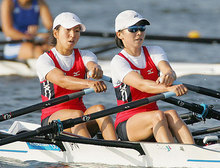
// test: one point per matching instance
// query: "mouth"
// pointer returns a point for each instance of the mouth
(71, 42)
(139, 39)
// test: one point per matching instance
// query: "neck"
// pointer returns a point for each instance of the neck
(25, 4)
(133, 51)
(63, 51)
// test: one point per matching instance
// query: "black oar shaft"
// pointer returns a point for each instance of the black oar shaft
(41, 105)
(202, 90)
(191, 106)
(206, 131)
(71, 122)
(25, 135)
(194, 107)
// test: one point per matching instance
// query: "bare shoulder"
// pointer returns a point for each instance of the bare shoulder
(7, 4)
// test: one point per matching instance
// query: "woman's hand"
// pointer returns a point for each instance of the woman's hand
(167, 79)
(98, 86)
(95, 72)
(32, 30)
(178, 89)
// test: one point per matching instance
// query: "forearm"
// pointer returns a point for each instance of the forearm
(15, 34)
(150, 86)
(72, 83)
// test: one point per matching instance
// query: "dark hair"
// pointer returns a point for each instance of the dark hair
(119, 42)
(52, 40)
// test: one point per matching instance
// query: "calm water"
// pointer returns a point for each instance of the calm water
(167, 17)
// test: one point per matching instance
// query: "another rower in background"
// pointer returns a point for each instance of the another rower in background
(20, 21)
(135, 76)
(63, 70)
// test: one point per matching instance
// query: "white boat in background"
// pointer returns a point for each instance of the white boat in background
(144, 154)
(28, 69)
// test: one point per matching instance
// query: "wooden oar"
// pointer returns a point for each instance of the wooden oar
(158, 37)
(53, 128)
(45, 104)
(201, 90)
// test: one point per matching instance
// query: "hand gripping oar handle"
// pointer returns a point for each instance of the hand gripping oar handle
(105, 78)
(201, 90)
(45, 104)
(52, 128)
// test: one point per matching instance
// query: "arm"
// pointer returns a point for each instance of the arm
(58, 77)
(7, 22)
(135, 80)
(45, 15)
(168, 75)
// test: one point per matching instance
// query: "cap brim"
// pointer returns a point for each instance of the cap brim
(146, 22)
(69, 26)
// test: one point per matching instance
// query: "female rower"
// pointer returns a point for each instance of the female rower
(135, 75)
(62, 71)
(20, 21)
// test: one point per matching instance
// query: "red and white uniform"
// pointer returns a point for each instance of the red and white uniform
(147, 69)
(75, 68)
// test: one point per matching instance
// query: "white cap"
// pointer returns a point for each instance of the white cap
(68, 20)
(128, 18)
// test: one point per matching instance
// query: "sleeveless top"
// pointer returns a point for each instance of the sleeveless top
(50, 90)
(22, 17)
(125, 93)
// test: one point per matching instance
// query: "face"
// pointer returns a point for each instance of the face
(67, 39)
(24, 2)
(132, 36)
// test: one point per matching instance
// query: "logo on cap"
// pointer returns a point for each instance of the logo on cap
(135, 16)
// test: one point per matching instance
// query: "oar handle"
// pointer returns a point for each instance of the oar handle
(88, 91)
(107, 79)
(104, 77)
(201, 90)
(168, 94)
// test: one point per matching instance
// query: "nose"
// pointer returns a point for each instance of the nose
(139, 32)
(71, 33)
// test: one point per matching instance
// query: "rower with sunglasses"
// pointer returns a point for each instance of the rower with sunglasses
(135, 75)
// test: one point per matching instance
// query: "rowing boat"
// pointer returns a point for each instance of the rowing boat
(27, 69)
(27, 141)
(83, 150)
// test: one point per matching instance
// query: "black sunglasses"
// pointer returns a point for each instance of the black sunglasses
(134, 29)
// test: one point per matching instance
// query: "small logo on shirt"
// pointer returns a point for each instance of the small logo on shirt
(150, 71)
(76, 73)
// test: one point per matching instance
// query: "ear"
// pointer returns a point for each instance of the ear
(55, 33)
(119, 35)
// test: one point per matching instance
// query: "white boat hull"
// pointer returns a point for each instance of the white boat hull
(155, 154)
(181, 69)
